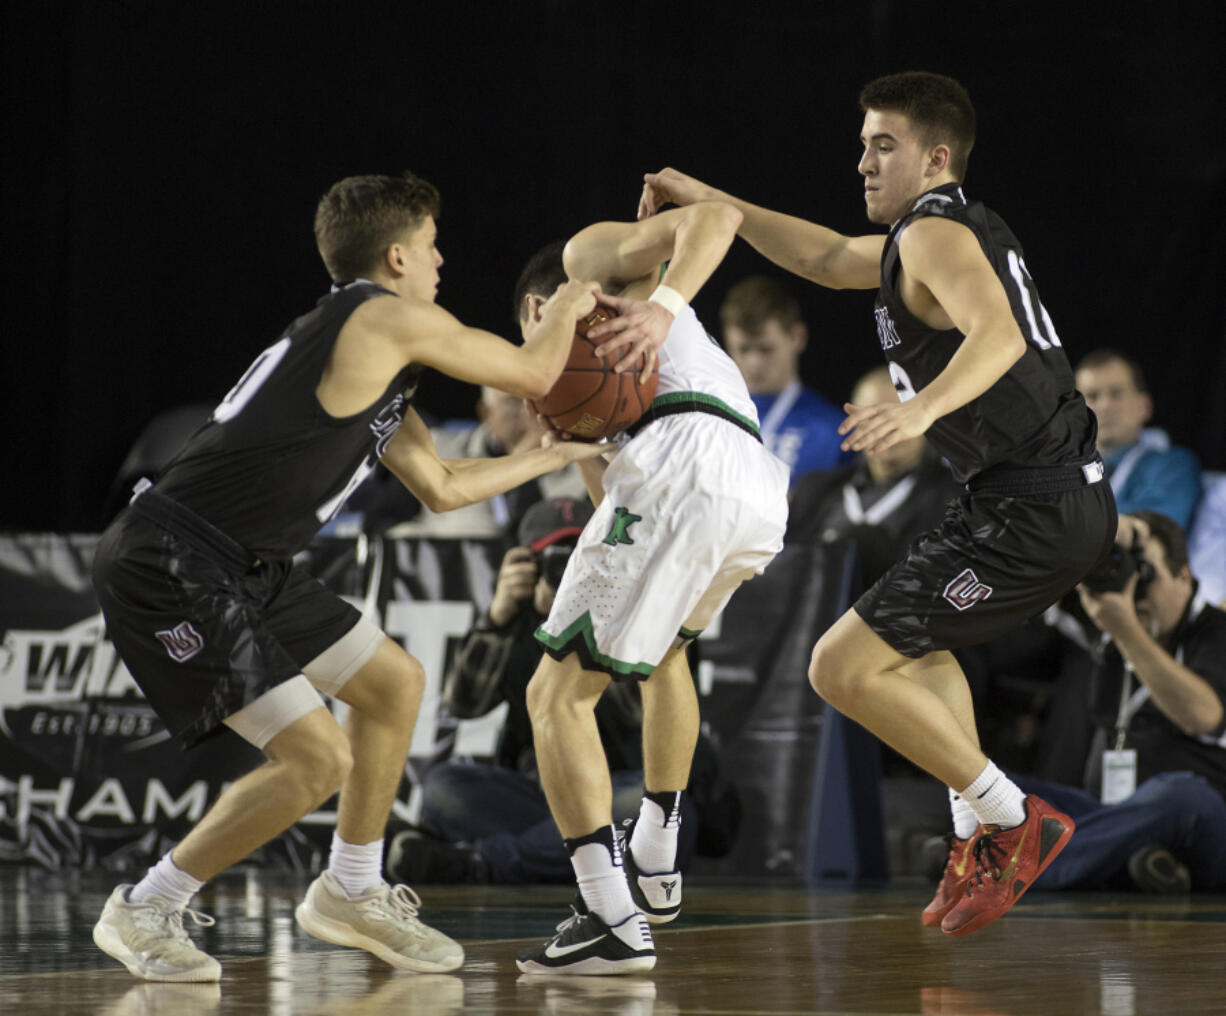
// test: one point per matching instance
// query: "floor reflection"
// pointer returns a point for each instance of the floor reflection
(738, 948)
(625, 996)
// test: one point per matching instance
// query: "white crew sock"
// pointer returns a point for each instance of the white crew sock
(965, 819)
(356, 866)
(996, 799)
(654, 840)
(602, 880)
(166, 879)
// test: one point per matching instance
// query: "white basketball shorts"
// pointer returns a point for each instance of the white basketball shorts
(693, 507)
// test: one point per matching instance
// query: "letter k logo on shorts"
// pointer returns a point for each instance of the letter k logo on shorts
(623, 518)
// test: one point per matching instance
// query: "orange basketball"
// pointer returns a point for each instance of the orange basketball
(589, 401)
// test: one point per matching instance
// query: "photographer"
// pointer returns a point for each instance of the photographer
(1157, 814)
(491, 822)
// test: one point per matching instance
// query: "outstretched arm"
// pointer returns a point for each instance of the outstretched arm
(442, 485)
(693, 240)
(417, 331)
(804, 248)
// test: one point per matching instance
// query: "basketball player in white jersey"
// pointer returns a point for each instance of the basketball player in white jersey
(690, 505)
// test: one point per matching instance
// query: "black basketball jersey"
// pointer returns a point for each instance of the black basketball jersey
(271, 466)
(1031, 417)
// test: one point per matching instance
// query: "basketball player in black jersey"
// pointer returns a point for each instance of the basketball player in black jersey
(980, 370)
(219, 627)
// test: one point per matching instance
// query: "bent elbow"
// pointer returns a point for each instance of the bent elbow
(1203, 723)
(719, 217)
(442, 499)
(431, 502)
(729, 216)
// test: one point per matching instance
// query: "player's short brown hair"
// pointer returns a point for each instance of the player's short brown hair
(754, 301)
(541, 276)
(361, 216)
(936, 106)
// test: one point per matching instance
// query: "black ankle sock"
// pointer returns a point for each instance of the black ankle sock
(669, 802)
(603, 836)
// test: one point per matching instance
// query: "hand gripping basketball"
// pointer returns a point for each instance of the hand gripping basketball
(589, 400)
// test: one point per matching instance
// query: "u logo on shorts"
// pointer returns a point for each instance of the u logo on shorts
(966, 590)
(182, 641)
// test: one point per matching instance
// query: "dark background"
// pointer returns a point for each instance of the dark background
(161, 164)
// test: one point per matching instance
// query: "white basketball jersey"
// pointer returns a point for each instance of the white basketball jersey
(692, 361)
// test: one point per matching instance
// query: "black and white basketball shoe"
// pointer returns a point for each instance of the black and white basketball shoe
(584, 944)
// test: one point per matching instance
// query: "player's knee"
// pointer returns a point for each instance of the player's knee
(407, 688)
(337, 765)
(393, 693)
(827, 675)
(540, 698)
(321, 765)
(552, 699)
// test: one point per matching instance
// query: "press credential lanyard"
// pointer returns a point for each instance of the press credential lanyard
(1120, 763)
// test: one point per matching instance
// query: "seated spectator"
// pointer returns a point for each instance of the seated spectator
(764, 335)
(491, 822)
(504, 425)
(1153, 811)
(883, 500)
(1147, 472)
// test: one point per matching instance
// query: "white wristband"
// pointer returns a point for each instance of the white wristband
(668, 298)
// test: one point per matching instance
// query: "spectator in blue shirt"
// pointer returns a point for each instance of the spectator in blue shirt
(764, 334)
(1147, 472)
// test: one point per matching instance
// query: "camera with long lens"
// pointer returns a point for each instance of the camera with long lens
(1112, 573)
(551, 562)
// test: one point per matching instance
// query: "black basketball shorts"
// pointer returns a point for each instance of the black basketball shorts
(992, 564)
(203, 628)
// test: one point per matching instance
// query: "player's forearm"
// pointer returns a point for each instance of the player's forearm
(444, 485)
(592, 471)
(983, 358)
(546, 352)
(701, 240)
(1187, 699)
(802, 247)
(547, 349)
(483, 478)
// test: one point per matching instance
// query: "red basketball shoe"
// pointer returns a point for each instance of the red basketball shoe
(1007, 861)
(958, 871)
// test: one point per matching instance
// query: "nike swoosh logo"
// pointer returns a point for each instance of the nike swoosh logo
(554, 951)
(1008, 872)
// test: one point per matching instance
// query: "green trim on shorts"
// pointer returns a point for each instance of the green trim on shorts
(687, 634)
(673, 398)
(580, 638)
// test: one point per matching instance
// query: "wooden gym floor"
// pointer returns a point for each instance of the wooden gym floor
(739, 948)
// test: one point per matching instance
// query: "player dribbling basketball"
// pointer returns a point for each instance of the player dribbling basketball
(690, 505)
